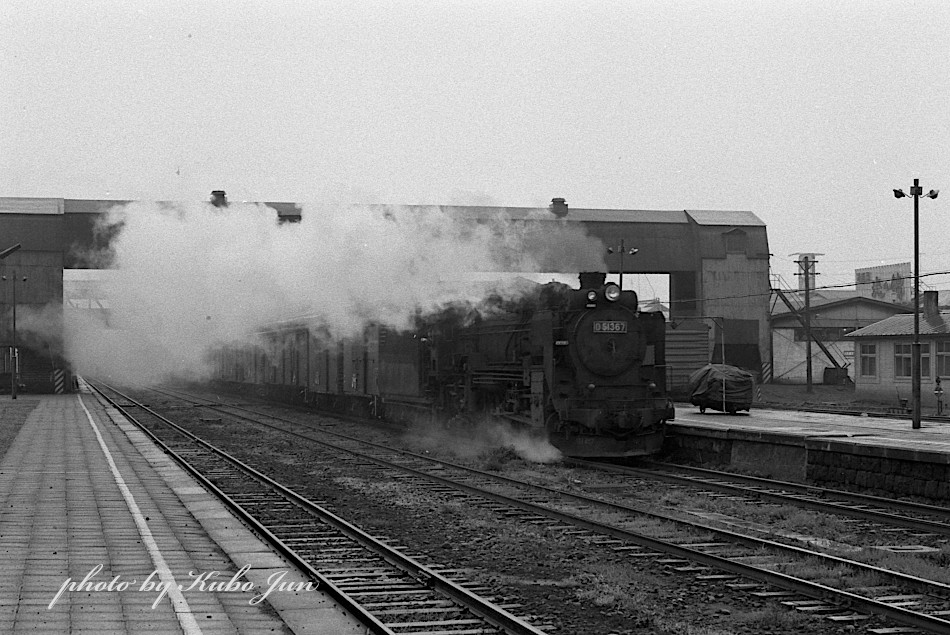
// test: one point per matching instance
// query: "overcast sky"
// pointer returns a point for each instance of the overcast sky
(806, 113)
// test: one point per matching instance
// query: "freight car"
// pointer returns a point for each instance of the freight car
(582, 366)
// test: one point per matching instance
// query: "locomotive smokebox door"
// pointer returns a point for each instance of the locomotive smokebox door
(608, 341)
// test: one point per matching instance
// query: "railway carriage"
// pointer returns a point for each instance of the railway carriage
(583, 367)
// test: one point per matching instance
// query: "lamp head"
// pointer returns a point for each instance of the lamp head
(899, 194)
(932, 193)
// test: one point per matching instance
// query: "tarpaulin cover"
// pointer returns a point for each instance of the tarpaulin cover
(705, 386)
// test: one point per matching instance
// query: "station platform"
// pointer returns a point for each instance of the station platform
(884, 455)
(101, 533)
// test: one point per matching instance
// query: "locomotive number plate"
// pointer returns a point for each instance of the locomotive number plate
(610, 326)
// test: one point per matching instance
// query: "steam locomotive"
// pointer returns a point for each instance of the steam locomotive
(584, 367)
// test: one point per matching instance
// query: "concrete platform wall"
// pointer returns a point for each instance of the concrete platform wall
(882, 471)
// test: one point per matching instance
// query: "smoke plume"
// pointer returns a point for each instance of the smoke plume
(187, 277)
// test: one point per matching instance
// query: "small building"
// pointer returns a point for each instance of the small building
(834, 314)
(655, 306)
(884, 354)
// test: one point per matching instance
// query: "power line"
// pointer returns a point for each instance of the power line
(825, 287)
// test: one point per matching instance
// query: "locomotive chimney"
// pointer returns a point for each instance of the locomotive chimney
(558, 207)
(592, 279)
(219, 198)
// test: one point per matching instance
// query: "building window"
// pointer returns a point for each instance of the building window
(903, 360)
(869, 360)
(735, 241)
(943, 359)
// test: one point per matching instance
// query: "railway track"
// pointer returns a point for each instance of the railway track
(388, 591)
(754, 564)
(919, 520)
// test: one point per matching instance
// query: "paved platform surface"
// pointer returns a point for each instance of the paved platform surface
(101, 533)
(873, 435)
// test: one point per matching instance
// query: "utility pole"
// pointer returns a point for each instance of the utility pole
(807, 263)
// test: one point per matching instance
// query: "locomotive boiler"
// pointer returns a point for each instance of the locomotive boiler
(582, 367)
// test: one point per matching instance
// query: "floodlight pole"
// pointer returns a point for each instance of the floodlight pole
(622, 249)
(915, 363)
(916, 191)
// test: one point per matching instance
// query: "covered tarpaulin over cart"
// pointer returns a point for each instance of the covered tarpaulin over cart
(721, 387)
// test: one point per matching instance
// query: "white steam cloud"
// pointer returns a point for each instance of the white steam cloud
(480, 437)
(187, 277)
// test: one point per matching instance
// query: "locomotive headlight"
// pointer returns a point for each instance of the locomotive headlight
(591, 296)
(612, 292)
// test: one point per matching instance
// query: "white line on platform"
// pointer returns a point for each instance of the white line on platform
(179, 603)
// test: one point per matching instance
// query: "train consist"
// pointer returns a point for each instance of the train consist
(582, 366)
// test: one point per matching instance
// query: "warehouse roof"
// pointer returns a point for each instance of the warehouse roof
(729, 218)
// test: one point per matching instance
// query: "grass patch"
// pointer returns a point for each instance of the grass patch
(613, 584)
(602, 591)
(775, 617)
(391, 493)
(830, 574)
(930, 566)
(503, 533)
(790, 518)
(618, 587)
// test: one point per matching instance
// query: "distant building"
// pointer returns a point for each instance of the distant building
(834, 314)
(888, 283)
(883, 353)
(654, 306)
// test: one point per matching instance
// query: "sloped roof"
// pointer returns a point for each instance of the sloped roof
(654, 306)
(818, 297)
(903, 325)
(725, 217)
(781, 311)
